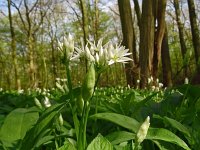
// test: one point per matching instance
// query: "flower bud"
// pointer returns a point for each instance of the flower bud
(47, 102)
(60, 119)
(186, 80)
(66, 47)
(142, 132)
(88, 83)
(37, 103)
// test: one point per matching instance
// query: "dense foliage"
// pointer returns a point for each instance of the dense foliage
(114, 119)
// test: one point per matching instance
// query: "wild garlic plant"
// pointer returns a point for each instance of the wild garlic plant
(98, 58)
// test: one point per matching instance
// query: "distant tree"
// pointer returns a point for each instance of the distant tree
(159, 12)
(31, 15)
(181, 36)
(85, 23)
(128, 40)
(195, 36)
(137, 10)
(166, 62)
(146, 41)
(13, 47)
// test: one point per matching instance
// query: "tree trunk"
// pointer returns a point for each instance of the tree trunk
(128, 39)
(83, 7)
(146, 41)
(53, 62)
(96, 21)
(138, 12)
(166, 63)
(181, 37)
(159, 33)
(195, 35)
(13, 46)
(32, 68)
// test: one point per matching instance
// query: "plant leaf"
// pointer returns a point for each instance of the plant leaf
(100, 143)
(165, 135)
(44, 122)
(121, 120)
(67, 146)
(120, 136)
(17, 123)
(178, 126)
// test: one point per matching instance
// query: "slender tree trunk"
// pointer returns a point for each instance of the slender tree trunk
(85, 29)
(31, 62)
(96, 22)
(83, 7)
(195, 34)
(13, 46)
(146, 41)
(159, 33)
(181, 36)
(128, 39)
(138, 12)
(53, 62)
(166, 62)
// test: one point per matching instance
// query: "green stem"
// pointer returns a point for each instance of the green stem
(82, 137)
(74, 114)
(69, 79)
(136, 146)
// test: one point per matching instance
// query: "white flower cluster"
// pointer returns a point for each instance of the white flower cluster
(101, 55)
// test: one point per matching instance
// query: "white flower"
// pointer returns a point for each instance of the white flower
(66, 47)
(21, 91)
(142, 132)
(88, 54)
(186, 80)
(138, 81)
(47, 102)
(118, 54)
(160, 85)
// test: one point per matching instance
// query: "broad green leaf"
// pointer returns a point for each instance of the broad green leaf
(178, 126)
(121, 120)
(133, 125)
(44, 140)
(120, 136)
(67, 146)
(165, 135)
(100, 143)
(45, 121)
(17, 123)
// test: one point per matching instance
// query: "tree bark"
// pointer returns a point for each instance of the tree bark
(83, 7)
(13, 46)
(195, 34)
(159, 33)
(138, 12)
(146, 41)
(128, 39)
(166, 62)
(181, 36)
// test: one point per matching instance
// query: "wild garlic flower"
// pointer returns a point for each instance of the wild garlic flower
(101, 55)
(66, 47)
(118, 54)
(47, 102)
(186, 80)
(160, 85)
(142, 132)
